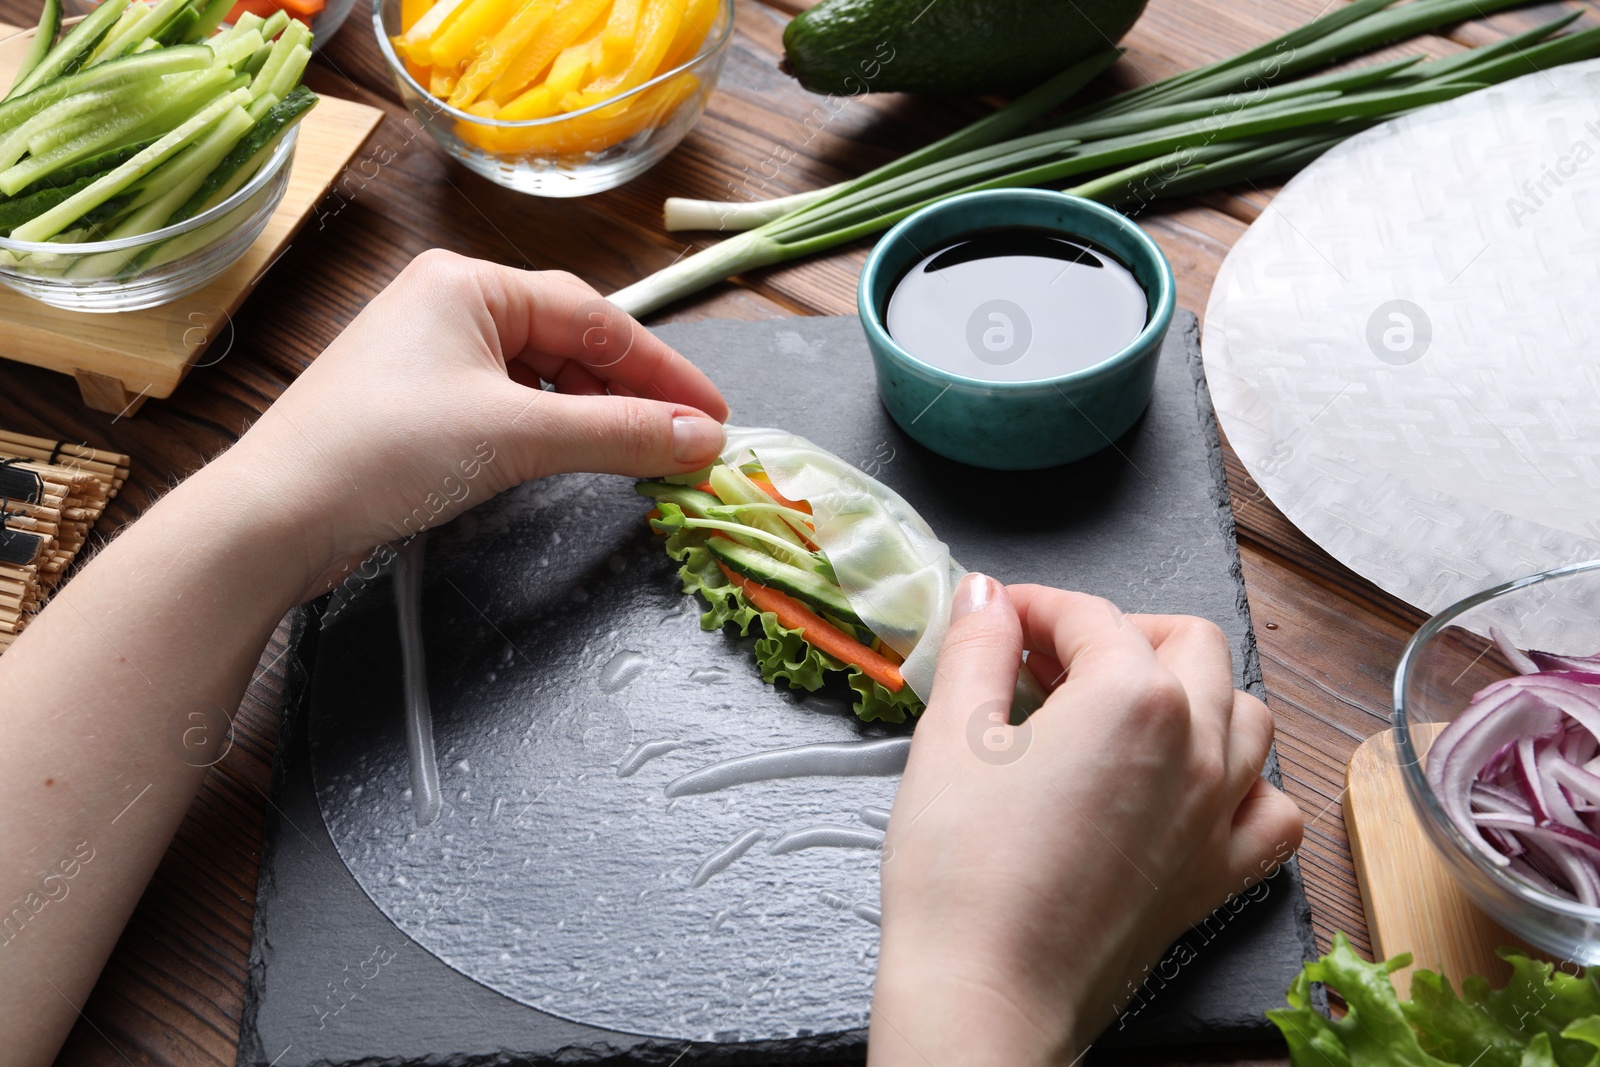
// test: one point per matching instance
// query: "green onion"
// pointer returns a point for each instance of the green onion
(1230, 121)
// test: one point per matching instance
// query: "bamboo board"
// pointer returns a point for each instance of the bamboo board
(121, 360)
(1412, 902)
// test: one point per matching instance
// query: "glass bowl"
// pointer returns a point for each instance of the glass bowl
(324, 24)
(574, 154)
(1450, 658)
(152, 268)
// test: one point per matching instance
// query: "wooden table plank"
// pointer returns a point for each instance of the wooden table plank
(1328, 640)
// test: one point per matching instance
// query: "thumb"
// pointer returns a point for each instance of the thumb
(557, 433)
(978, 662)
(1267, 829)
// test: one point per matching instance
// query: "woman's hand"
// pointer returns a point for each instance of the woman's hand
(1031, 873)
(430, 403)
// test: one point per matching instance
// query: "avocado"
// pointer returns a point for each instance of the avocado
(947, 47)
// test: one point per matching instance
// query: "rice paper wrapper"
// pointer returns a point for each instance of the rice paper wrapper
(896, 573)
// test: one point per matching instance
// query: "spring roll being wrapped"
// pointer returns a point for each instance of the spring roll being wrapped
(833, 568)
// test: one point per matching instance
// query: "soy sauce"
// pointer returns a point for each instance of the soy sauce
(1016, 304)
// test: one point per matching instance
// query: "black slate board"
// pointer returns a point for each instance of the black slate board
(333, 981)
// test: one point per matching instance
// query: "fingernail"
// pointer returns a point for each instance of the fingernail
(696, 439)
(973, 594)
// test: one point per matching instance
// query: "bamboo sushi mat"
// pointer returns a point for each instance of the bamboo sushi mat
(51, 495)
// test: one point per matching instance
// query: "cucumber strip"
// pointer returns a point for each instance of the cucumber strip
(193, 241)
(150, 119)
(131, 14)
(288, 75)
(257, 60)
(160, 181)
(174, 181)
(276, 23)
(44, 39)
(47, 225)
(178, 30)
(802, 585)
(17, 142)
(212, 14)
(16, 110)
(734, 486)
(72, 49)
(281, 49)
(261, 105)
(92, 167)
(56, 136)
(247, 22)
(692, 501)
(148, 26)
(16, 211)
(235, 51)
(247, 156)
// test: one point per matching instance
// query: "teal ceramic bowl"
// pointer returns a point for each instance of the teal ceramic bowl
(1015, 425)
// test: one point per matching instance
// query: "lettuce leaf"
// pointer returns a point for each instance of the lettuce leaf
(782, 654)
(1542, 1018)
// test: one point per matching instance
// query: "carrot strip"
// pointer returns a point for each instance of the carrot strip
(824, 636)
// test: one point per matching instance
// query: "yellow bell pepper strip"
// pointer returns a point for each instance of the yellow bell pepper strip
(590, 133)
(617, 44)
(658, 25)
(566, 74)
(441, 81)
(459, 43)
(506, 45)
(566, 26)
(422, 75)
(694, 33)
(411, 11)
(413, 43)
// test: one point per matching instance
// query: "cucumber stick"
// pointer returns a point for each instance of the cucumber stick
(247, 156)
(168, 187)
(46, 225)
(141, 69)
(276, 23)
(55, 117)
(16, 211)
(44, 38)
(132, 14)
(149, 119)
(148, 25)
(212, 13)
(72, 49)
(295, 34)
(92, 167)
(734, 486)
(289, 74)
(802, 585)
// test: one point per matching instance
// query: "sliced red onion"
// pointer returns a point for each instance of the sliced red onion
(1529, 782)
(1550, 661)
(1532, 875)
(1518, 772)
(1520, 661)
(1578, 779)
(1466, 744)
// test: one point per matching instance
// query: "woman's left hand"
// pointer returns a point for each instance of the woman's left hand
(430, 402)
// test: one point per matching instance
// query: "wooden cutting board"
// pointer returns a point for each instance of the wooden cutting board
(1412, 903)
(121, 360)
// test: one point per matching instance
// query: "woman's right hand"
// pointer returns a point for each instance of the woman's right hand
(1031, 874)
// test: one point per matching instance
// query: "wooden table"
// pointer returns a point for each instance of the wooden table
(1329, 640)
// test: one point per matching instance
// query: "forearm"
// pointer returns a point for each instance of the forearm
(116, 699)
